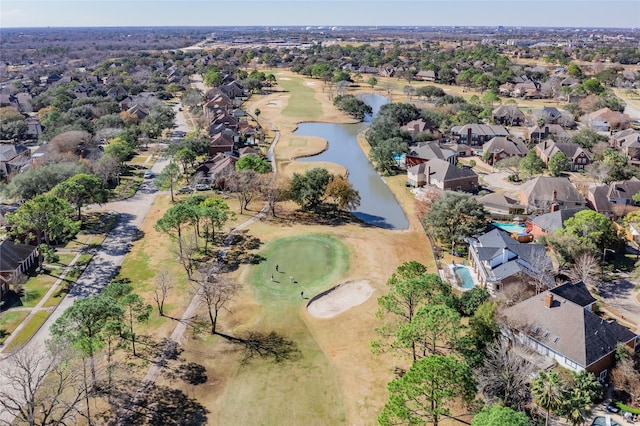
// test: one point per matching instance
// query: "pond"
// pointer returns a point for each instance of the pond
(378, 206)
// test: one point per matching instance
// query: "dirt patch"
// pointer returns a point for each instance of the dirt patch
(340, 299)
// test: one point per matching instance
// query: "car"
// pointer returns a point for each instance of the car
(202, 187)
(185, 189)
(148, 174)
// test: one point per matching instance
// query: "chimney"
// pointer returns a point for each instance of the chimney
(554, 207)
(505, 256)
(545, 145)
(469, 136)
(546, 132)
(548, 300)
(554, 195)
(428, 175)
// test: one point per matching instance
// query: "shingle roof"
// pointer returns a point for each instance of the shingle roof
(542, 188)
(549, 222)
(574, 292)
(12, 255)
(568, 328)
(445, 171)
(510, 146)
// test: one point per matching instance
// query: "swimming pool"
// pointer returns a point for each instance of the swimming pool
(509, 227)
(464, 277)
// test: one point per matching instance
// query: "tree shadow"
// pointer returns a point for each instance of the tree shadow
(322, 216)
(240, 251)
(157, 405)
(191, 372)
(265, 345)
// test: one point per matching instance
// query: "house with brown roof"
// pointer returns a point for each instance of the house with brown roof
(508, 115)
(628, 143)
(477, 134)
(214, 170)
(498, 260)
(428, 75)
(500, 205)
(614, 199)
(547, 193)
(415, 127)
(606, 120)
(220, 142)
(550, 115)
(560, 324)
(548, 223)
(221, 120)
(502, 147)
(443, 175)
(138, 111)
(578, 157)
(548, 131)
(427, 151)
(15, 261)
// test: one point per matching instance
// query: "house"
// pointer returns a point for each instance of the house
(218, 101)
(628, 143)
(578, 157)
(428, 75)
(34, 127)
(555, 131)
(423, 152)
(138, 111)
(614, 199)
(116, 92)
(477, 134)
(560, 324)
(214, 170)
(499, 261)
(547, 223)
(546, 193)
(550, 115)
(220, 142)
(500, 205)
(13, 158)
(443, 175)
(220, 120)
(415, 127)
(502, 147)
(15, 261)
(606, 120)
(508, 115)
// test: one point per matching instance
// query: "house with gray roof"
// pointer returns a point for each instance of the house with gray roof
(427, 151)
(628, 142)
(15, 260)
(477, 134)
(443, 175)
(499, 261)
(547, 193)
(578, 157)
(560, 324)
(500, 204)
(502, 147)
(548, 131)
(548, 223)
(614, 199)
(508, 115)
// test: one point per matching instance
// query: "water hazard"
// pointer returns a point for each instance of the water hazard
(378, 206)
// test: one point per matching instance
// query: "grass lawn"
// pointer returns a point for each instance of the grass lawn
(304, 390)
(302, 103)
(35, 288)
(9, 320)
(28, 330)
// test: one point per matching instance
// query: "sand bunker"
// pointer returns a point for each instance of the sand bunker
(284, 78)
(310, 83)
(340, 298)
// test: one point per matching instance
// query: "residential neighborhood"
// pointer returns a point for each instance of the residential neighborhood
(330, 225)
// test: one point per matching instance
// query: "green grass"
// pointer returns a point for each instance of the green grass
(35, 288)
(302, 102)
(136, 268)
(65, 259)
(304, 390)
(28, 330)
(9, 321)
(298, 141)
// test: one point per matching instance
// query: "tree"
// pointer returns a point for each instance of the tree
(243, 184)
(372, 81)
(173, 222)
(213, 77)
(382, 154)
(275, 188)
(119, 149)
(135, 310)
(588, 138)
(511, 164)
(342, 193)
(497, 415)
(161, 289)
(186, 158)
(82, 323)
(504, 375)
(215, 292)
(308, 189)
(168, 178)
(471, 300)
(214, 213)
(585, 269)
(559, 163)
(80, 190)
(546, 392)
(594, 231)
(531, 164)
(433, 326)
(578, 397)
(409, 91)
(422, 394)
(455, 216)
(592, 86)
(41, 179)
(41, 388)
(253, 162)
(46, 214)
(107, 168)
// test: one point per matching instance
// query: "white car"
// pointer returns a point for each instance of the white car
(202, 187)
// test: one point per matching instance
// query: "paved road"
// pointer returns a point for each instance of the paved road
(620, 294)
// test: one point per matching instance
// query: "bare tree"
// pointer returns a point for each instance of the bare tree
(541, 271)
(504, 375)
(516, 292)
(585, 269)
(598, 170)
(187, 252)
(162, 288)
(41, 388)
(274, 188)
(215, 292)
(243, 183)
(626, 377)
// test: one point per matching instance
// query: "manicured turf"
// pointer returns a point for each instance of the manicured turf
(9, 320)
(304, 390)
(28, 330)
(302, 102)
(314, 261)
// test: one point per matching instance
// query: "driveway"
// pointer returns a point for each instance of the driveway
(620, 295)
(497, 181)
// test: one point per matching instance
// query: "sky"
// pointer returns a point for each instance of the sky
(116, 13)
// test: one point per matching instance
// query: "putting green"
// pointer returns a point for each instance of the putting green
(315, 261)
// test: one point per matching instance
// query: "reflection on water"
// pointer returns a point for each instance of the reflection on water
(378, 206)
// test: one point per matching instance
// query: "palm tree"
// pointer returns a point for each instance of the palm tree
(577, 400)
(546, 392)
